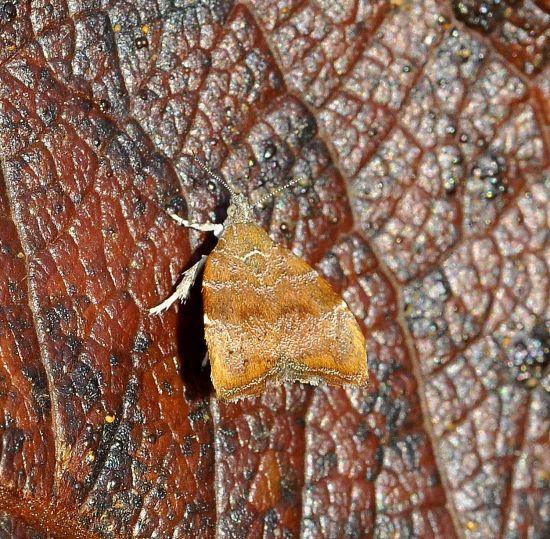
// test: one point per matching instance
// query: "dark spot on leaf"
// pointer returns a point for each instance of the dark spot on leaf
(74, 344)
(142, 343)
(271, 519)
(434, 479)
(481, 14)
(241, 514)
(306, 129)
(363, 431)
(46, 79)
(324, 464)
(85, 103)
(228, 439)
(154, 436)
(379, 455)
(86, 385)
(167, 388)
(529, 354)
(188, 445)
(289, 488)
(200, 413)
(205, 449)
(19, 324)
(408, 448)
(353, 527)
(372, 474)
(114, 359)
(131, 394)
(13, 440)
(160, 493)
(49, 113)
(8, 11)
(39, 384)
(52, 317)
(176, 204)
(368, 403)
(139, 207)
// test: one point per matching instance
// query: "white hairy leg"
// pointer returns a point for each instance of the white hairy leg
(182, 290)
(204, 227)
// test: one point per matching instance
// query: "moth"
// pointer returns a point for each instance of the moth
(269, 317)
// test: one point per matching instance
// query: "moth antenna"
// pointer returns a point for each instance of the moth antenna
(277, 191)
(213, 175)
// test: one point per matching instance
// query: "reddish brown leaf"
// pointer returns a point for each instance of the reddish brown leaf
(420, 132)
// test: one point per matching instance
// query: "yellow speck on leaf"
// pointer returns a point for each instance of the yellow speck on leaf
(451, 425)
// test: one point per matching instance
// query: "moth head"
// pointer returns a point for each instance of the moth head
(240, 210)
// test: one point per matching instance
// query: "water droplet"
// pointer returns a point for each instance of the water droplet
(270, 150)
(141, 42)
(451, 130)
(464, 54)
(450, 185)
(104, 105)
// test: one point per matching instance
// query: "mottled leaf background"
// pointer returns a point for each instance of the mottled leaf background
(419, 130)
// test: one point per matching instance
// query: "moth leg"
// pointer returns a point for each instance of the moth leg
(204, 227)
(205, 360)
(182, 290)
